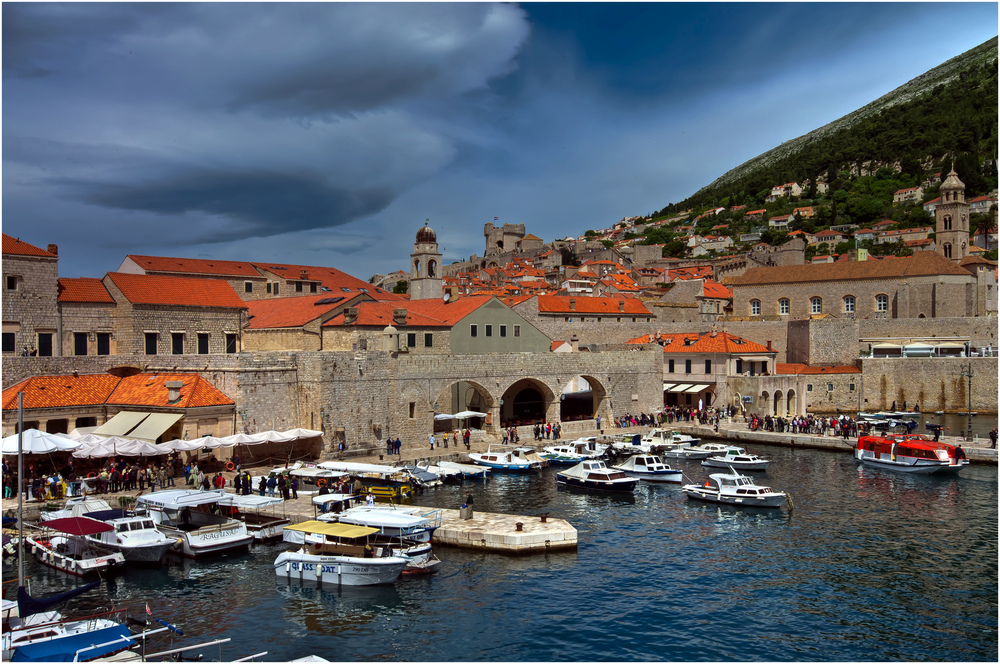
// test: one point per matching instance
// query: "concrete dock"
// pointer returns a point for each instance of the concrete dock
(504, 533)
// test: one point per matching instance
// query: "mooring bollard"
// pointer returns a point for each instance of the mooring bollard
(544, 516)
(518, 526)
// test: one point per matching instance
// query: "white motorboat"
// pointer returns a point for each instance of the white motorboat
(468, 470)
(48, 636)
(734, 489)
(259, 513)
(195, 518)
(511, 459)
(737, 457)
(595, 474)
(713, 449)
(405, 531)
(658, 440)
(135, 536)
(909, 454)
(574, 451)
(63, 544)
(649, 468)
(338, 554)
(76, 506)
(447, 474)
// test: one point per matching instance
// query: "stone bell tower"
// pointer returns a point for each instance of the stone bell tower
(952, 219)
(425, 267)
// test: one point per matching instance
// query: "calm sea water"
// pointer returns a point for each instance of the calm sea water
(868, 566)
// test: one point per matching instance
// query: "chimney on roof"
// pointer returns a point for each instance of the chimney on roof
(399, 316)
(173, 390)
(769, 344)
(303, 274)
(621, 305)
(53, 249)
(572, 304)
(350, 315)
(574, 342)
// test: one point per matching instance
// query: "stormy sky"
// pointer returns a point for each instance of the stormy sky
(326, 134)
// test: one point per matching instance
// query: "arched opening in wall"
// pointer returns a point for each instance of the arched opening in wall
(580, 399)
(459, 398)
(792, 403)
(416, 267)
(777, 403)
(432, 268)
(765, 403)
(524, 402)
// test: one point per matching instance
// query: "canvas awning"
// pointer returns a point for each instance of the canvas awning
(121, 424)
(667, 386)
(332, 529)
(680, 388)
(154, 425)
(696, 388)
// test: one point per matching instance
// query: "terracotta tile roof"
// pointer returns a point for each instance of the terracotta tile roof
(96, 389)
(921, 264)
(328, 277)
(241, 269)
(149, 390)
(176, 291)
(702, 342)
(419, 313)
(84, 289)
(797, 369)
(559, 304)
(556, 344)
(15, 247)
(716, 290)
(61, 391)
(288, 312)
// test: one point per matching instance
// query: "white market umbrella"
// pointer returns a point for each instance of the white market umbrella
(444, 416)
(276, 436)
(140, 448)
(244, 439)
(37, 442)
(466, 414)
(96, 450)
(182, 445)
(303, 433)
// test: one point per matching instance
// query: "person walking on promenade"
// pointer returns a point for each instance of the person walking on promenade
(444, 437)
(466, 437)
(993, 439)
(432, 442)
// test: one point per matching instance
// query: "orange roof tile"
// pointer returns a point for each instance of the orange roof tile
(294, 311)
(176, 291)
(195, 266)
(61, 391)
(559, 304)
(84, 289)
(702, 342)
(15, 247)
(149, 390)
(419, 313)
(716, 290)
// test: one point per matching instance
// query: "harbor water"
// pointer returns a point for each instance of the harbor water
(869, 566)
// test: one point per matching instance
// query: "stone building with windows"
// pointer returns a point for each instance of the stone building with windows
(87, 315)
(30, 298)
(925, 285)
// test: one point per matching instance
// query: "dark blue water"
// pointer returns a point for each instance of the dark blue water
(868, 566)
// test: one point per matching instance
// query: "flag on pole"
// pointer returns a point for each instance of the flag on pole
(149, 611)
(495, 218)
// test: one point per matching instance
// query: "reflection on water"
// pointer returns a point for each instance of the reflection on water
(870, 565)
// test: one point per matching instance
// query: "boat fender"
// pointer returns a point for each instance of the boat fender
(319, 570)
(288, 568)
(230, 465)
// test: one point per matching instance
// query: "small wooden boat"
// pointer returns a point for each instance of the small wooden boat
(595, 474)
(63, 544)
(509, 459)
(649, 468)
(734, 489)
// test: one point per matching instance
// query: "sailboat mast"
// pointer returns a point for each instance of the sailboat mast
(20, 489)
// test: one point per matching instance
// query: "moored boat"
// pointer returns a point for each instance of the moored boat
(135, 536)
(910, 453)
(595, 474)
(734, 489)
(63, 544)
(259, 513)
(468, 470)
(739, 458)
(507, 458)
(338, 554)
(195, 518)
(649, 468)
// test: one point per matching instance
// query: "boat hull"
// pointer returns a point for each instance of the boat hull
(918, 468)
(617, 486)
(338, 570)
(705, 494)
(659, 477)
(714, 462)
(47, 553)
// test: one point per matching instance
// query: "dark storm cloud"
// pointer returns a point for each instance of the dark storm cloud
(256, 203)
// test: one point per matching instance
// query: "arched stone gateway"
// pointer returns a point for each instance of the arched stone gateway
(777, 404)
(525, 402)
(581, 399)
(793, 405)
(464, 396)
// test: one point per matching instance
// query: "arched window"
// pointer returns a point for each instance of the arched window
(755, 307)
(848, 304)
(784, 306)
(431, 268)
(816, 305)
(947, 250)
(416, 267)
(881, 302)
(947, 222)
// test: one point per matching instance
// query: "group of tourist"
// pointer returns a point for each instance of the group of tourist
(545, 430)
(843, 425)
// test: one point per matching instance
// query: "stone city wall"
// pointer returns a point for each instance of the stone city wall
(933, 383)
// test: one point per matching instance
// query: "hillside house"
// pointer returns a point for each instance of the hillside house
(908, 195)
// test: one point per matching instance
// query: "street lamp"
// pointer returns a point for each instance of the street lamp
(967, 373)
